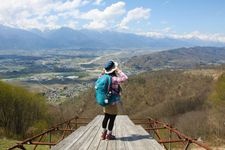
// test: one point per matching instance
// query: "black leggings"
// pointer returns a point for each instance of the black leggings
(111, 119)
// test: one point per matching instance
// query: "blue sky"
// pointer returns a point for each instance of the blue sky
(202, 19)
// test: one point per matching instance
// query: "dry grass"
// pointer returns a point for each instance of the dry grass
(214, 73)
(7, 143)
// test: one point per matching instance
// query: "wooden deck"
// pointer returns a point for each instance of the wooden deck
(128, 137)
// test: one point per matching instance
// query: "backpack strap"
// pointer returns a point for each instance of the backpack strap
(109, 83)
(110, 89)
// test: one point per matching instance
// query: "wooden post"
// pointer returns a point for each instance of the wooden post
(170, 136)
(50, 139)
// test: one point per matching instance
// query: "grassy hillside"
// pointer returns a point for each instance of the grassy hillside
(191, 102)
(179, 58)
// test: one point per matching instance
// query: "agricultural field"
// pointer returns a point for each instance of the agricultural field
(57, 74)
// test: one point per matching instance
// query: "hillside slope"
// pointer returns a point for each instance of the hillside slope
(179, 58)
(21, 111)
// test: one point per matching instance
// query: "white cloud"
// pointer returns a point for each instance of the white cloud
(96, 25)
(202, 36)
(38, 13)
(192, 35)
(100, 19)
(136, 14)
(72, 24)
(98, 2)
(68, 5)
(153, 34)
(107, 13)
(51, 14)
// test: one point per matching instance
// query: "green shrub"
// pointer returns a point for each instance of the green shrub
(37, 127)
(220, 87)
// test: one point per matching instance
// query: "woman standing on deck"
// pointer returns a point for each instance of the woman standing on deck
(110, 111)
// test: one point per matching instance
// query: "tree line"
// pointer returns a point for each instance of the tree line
(19, 110)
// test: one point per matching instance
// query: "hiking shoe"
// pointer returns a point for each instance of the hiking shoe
(103, 136)
(110, 137)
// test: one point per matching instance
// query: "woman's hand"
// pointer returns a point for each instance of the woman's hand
(118, 70)
(103, 71)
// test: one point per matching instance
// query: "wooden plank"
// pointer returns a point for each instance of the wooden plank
(150, 142)
(78, 136)
(88, 139)
(68, 139)
(103, 145)
(125, 118)
(147, 139)
(96, 141)
(129, 133)
(123, 136)
(127, 138)
(136, 138)
(93, 128)
(112, 143)
(120, 145)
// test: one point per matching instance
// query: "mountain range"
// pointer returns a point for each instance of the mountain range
(67, 38)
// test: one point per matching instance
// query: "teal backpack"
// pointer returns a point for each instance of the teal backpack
(103, 93)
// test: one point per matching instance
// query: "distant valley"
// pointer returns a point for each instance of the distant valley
(56, 74)
(63, 74)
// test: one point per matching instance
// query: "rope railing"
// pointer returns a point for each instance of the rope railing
(159, 129)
